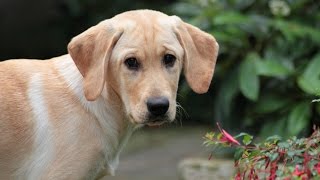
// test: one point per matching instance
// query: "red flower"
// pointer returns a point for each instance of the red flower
(273, 170)
(317, 167)
(238, 176)
(297, 171)
(226, 137)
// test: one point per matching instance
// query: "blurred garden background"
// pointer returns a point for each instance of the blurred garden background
(267, 75)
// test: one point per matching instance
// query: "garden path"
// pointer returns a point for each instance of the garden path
(154, 153)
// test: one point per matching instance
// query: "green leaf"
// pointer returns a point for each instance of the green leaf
(228, 18)
(272, 68)
(238, 153)
(209, 135)
(241, 135)
(299, 118)
(269, 103)
(273, 156)
(290, 153)
(309, 81)
(279, 173)
(292, 30)
(283, 145)
(307, 85)
(249, 80)
(247, 139)
(229, 37)
(274, 139)
(254, 153)
(221, 36)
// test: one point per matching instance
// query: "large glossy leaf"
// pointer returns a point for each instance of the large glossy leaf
(299, 118)
(248, 77)
(272, 68)
(309, 81)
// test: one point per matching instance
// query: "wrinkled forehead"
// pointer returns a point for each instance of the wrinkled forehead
(149, 31)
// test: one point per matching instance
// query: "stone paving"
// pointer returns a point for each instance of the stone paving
(154, 153)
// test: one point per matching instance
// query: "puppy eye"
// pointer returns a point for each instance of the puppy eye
(132, 63)
(169, 60)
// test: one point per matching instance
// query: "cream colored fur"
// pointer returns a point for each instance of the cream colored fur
(69, 117)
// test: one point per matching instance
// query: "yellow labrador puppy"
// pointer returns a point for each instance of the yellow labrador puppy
(70, 116)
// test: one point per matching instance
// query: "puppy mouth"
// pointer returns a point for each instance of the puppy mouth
(157, 121)
(151, 120)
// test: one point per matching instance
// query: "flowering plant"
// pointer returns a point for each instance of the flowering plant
(292, 159)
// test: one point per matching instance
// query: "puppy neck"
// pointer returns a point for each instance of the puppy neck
(116, 129)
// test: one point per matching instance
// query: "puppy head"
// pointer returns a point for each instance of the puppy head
(139, 55)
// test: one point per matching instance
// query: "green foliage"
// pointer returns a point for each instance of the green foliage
(273, 158)
(248, 78)
(309, 81)
(268, 68)
(298, 118)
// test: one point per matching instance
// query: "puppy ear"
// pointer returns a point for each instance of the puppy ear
(200, 55)
(90, 52)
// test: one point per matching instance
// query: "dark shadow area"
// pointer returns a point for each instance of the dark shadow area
(42, 29)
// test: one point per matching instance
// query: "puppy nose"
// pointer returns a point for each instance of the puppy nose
(158, 106)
